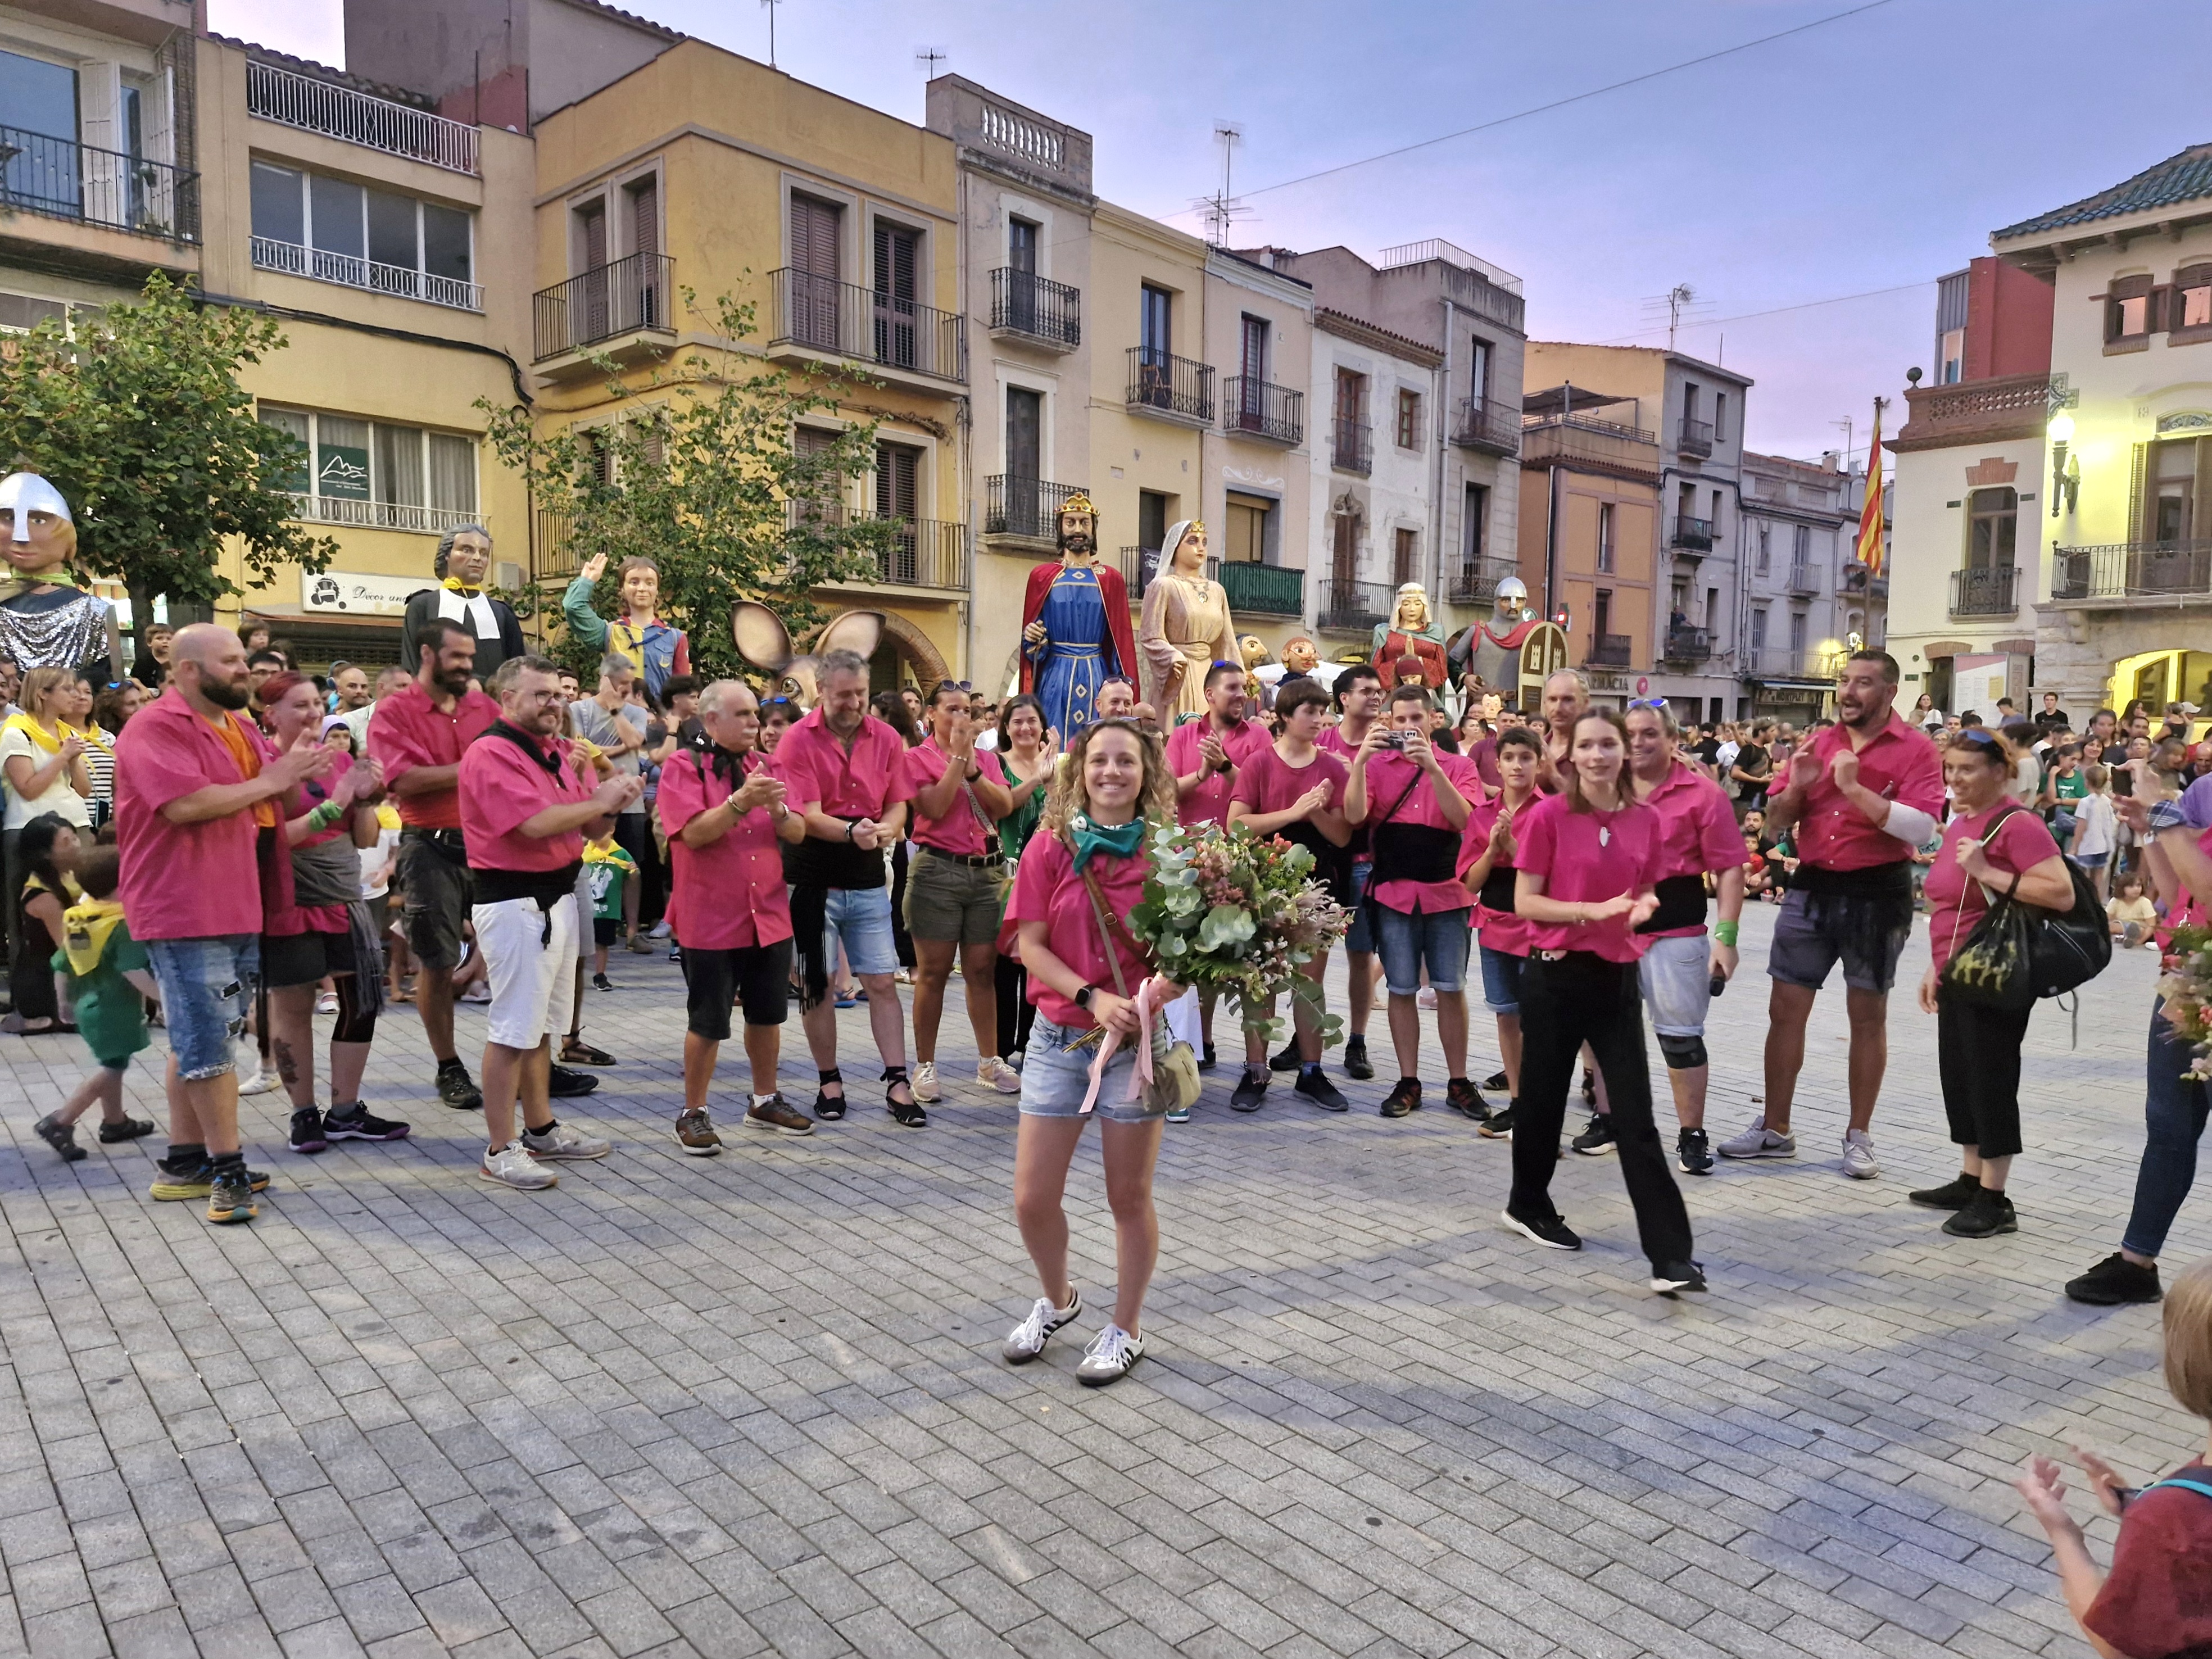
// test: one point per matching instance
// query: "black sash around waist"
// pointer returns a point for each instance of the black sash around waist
(1497, 888)
(1682, 904)
(826, 864)
(1414, 851)
(543, 888)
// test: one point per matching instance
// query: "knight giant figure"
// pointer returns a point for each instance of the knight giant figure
(45, 623)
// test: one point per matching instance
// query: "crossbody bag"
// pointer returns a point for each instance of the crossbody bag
(1175, 1080)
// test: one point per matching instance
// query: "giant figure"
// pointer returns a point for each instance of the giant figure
(1185, 626)
(1412, 631)
(44, 621)
(1075, 624)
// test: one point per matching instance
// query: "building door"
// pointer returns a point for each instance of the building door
(1250, 413)
(1472, 533)
(1025, 510)
(1155, 384)
(591, 233)
(1152, 530)
(898, 469)
(1404, 555)
(1344, 559)
(1246, 540)
(1021, 275)
(644, 215)
(816, 271)
(897, 250)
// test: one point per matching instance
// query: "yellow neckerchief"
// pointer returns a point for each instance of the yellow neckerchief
(610, 853)
(86, 928)
(92, 737)
(387, 816)
(455, 584)
(29, 726)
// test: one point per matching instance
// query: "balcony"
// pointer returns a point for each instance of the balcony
(308, 509)
(1025, 509)
(1263, 590)
(1687, 645)
(2012, 406)
(1691, 535)
(1610, 651)
(923, 553)
(1353, 607)
(1694, 437)
(1179, 388)
(609, 307)
(1259, 409)
(1477, 583)
(60, 179)
(1802, 665)
(1352, 446)
(817, 317)
(1990, 592)
(1140, 565)
(1612, 448)
(1486, 424)
(357, 118)
(2124, 571)
(1806, 580)
(350, 270)
(1041, 312)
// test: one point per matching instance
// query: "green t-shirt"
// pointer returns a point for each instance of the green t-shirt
(110, 1013)
(606, 876)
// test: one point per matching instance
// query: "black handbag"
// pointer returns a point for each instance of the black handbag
(2019, 952)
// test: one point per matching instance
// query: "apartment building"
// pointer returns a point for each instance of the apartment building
(1805, 595)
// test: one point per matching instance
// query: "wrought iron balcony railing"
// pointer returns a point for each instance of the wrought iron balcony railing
(628, 296)
(1991, 590)
(867, 325)
(1015, 506)
(1352, 446)
(1610, 651)
(1692, 535)
(1477, 583)
(1261, 408)
(1686, 644)
(61, 179)
(350, 270)
(2133, 570)
(1023, 302)
(1695, 437)
(1265, 590)
(1350, 606)
(358, 117)
(1168, 385)
(1486, 423)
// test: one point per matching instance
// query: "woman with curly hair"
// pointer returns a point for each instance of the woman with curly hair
(1081, 872)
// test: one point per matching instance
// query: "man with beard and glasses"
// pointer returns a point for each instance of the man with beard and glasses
(1862, 796)
(198, 825)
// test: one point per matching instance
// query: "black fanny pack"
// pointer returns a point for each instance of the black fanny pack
(1682, 904)
(543, 888)
(1414, 851)
(838, 864)
(449, 843)
(1498, 889)
(1332, 863)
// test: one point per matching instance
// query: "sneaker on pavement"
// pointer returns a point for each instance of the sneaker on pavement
(257, 1081)
(1405, 1097)
(926, 1090)
(129, 1128)
(1498, 1125)
(230, 1196)
(457, 1088)
(62, 1137)
(1355, 1063)
(1251, 1090)
(1858, 1155)
(1178, 1114)
(1427, 997)
(1668, 1278)
(1314, 1085)
(2115, 1282)
(1987, 1214)
(183, 1186)
(1027, 1339)
(1596, 1140)
(1287, 1060)
(601, 982)
(1554, 1234)
(512, 1165)
(1760, 1141)
(778, 1118)
(1497, 1082)
(355, 1122)
(695, 1134)
(1205, 1059)
(1954, 1194)
(1109, 1357)
(562, 1141)
(1463, 1097)
(1693, 1154)
(994, 1073)
(659, 930)
(563, 1083)
(307, 1134)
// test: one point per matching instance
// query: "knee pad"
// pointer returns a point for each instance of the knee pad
(1682, 1054)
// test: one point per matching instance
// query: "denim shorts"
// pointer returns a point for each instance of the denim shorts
(2091, 860)
(1439, 941)
(1501, 980)
(207, 985)
(861, 917)
(1676, 975)
(1053, 1082)
(1362, 937)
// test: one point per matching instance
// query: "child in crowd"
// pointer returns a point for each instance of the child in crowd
(2153, 1603)
(609, 869)
(2095, 823)
(1754, 867)
(109, 979)
(2132, 914)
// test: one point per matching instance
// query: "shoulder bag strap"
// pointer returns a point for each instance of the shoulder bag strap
(2186, 1486)
(1105, 935)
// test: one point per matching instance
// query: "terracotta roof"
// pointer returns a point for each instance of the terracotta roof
(629, 17)
(1344, 324)
(315, 71)
(2184, 177)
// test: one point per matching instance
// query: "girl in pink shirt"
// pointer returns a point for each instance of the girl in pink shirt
(1588, 858)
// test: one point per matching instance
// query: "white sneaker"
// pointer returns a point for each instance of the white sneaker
(1027, 1339)
(512, 1165)
(1109, 1357)
(1858, 1155)
(562, 1141)
(327, 1003)
(252, 1079)
(659, 929)
(924, 1080)
(1427, 999)
(994, 1073)
(1758, 1142)
(477, 993)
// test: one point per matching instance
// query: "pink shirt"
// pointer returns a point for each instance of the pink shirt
(863, 783)
(1955, 904)
(501, 788)
(730, 893)
(1047, 889)
(1696, 832)
(183, 880)
(1900, 764)
(962, 831)
(1389, 774)
(1586, 857)
(1209, 802)
(1502, 929)
(1268, 783)
(407, 730)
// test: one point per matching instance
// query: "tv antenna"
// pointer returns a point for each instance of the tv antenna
(1681, 307)
(771, 5)
(1850, 432)
(1221, 209)
(928, 58)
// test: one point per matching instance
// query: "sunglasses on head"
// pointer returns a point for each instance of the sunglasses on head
(1977, 734)
(1658, 703)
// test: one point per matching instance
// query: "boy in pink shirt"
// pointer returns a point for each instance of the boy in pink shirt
(1203, 755)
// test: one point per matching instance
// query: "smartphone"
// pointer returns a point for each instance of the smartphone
(1719, 984)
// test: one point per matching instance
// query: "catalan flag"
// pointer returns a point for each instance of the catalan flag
(1870, 545)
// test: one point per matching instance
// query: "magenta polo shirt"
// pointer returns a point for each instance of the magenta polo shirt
(1585, 858)
(730, 893)
(500, 789)
(1956, 902)
(184, 880)
(1389, 775)
(1899, 763)
(1268, 783)
(1047, 889)
(1696, 832)
(1502, 929)
(863, 783)
(962, 831)
(1209, 802)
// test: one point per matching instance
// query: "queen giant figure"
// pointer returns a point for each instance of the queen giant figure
(45, 623)
(1185, 628)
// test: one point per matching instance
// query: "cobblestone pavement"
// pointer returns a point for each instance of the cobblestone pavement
(755, 1404)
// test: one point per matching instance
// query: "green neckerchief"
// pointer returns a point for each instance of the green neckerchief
(1086, 837)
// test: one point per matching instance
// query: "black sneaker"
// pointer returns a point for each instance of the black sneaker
(230, 1196)
(1497, 1082)
(354, 1122)
(1205, 1060)
(1287, 1060)
(62, 1137)
(1669, 1278)
(1692, 1153)
(307, 1134)
(2115, 1282)
(1985, 1216)
(1251, 1090)
(1314, 1085)
(457, 1088)
(1590, 1088)
(131, 1129)
(1355, 1063)
(566, 1084)
(1552, 1235)
(1954, 1195)
(1405, 1097)
(601, 982)
(1465, 1099)
(1499, 1125)
(1596, 1140)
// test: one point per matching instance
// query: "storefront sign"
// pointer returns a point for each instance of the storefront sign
(357, 593)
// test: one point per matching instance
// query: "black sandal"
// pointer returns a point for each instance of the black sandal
(828, 1106)
(909, 1112)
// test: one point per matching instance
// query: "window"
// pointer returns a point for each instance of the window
(1152, 519)
(1022, 246)
(898, 469)
(1765, 550)
(2192, 304)
(1025, 434)
(2127, 310)
(898, 256)
(389, 478)
(642, 205)
(1801, 545)
(1713, 608)
(335, 231)
(2173, 505)
(1343, 553)
(1758, 627)
(1953, 361)
(1475, 533)
(1992, 520)
(1605, 545)
(1797, 633)
(1720, 426)
(1405, 556)
(1478, 364)
(1409, 420)
(1252, 349)
(1246, 540)
(1601, 616)
(1154, 314)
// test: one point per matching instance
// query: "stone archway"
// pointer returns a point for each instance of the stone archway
(929, 666)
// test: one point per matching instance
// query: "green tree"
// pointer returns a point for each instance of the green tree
(704, 475)
(140, 423)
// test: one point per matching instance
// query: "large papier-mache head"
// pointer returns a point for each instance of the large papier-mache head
(37, 530)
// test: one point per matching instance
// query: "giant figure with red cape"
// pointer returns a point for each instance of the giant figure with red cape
(1075, 624)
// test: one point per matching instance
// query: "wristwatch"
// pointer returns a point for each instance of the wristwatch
(1082, 997)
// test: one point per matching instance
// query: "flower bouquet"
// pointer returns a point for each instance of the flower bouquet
(2187, 988)
(1238, 916)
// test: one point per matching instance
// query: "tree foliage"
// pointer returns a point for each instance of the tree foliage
(704, 475)
(139, 420)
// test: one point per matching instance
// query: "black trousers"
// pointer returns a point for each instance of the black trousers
(1582, 998)
(1977, 1057)
(1017, 1013)
(633, 835)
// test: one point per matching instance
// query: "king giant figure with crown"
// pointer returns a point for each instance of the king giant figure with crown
(1075, 624)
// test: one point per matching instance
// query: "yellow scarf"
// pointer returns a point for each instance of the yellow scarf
(595, 853)
(30, 726)
(455, 584)
(86, 929)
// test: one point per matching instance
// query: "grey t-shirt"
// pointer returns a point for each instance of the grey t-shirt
(595, 725)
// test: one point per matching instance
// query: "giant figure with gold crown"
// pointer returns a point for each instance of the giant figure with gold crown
(45, 623)
(1075, 624)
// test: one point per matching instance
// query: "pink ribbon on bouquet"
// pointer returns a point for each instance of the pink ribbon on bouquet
(1152, 999)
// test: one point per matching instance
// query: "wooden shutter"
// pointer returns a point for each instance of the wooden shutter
(814, 226)
(2138, 496)
(895, 248)
(594, 219)
(645, 217)
(896, 472)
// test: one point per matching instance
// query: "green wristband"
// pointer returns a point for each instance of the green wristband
(324, 815)
(1725, 932)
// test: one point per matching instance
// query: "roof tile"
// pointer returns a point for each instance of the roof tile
(2184, 177)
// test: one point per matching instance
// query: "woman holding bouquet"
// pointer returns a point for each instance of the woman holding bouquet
(1585, 861)
(1082, 873)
